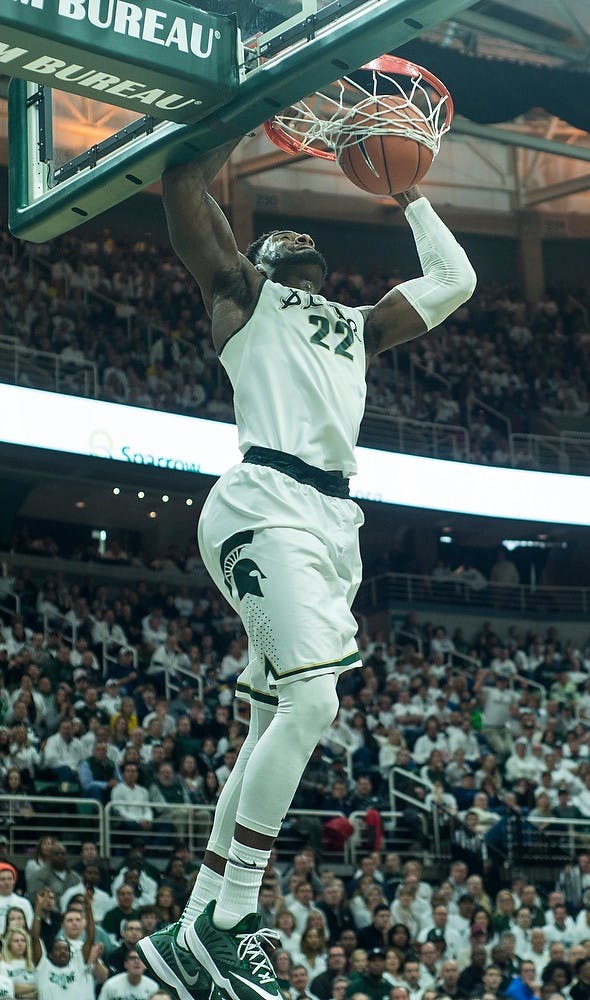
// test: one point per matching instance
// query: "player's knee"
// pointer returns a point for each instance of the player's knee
(315, 702)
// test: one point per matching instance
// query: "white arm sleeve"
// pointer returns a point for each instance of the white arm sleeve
(449, 279)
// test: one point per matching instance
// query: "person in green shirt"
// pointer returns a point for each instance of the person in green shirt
(371, 982)
(125, 909)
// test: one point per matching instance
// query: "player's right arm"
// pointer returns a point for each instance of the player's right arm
(202, 238)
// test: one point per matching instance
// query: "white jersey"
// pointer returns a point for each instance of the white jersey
(297, 368)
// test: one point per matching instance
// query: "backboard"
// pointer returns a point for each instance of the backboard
(72, 156)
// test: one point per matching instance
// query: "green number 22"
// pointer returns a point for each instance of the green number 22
(341, 328)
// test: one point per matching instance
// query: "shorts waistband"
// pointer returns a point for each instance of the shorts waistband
(333, 484)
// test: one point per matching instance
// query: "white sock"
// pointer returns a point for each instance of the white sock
(207, 887)
(241, 884)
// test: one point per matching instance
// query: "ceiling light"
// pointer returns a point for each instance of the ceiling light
(188, 502)
(165, 498)
(140, 495)
(153, 514)
(116, 491)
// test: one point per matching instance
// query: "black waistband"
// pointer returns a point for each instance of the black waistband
(333, 484)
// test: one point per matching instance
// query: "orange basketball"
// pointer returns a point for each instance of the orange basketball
(386, 164)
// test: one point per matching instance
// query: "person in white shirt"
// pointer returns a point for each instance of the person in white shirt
(64, 752)
(130, 800)
(131, 984)
(440, 642)
(521, 764)
(498, 701)
(563, 928)
(432, 739)
(168, 656)
(439, 929)
(302, 905)
(460, 736)
(233, 662)
(17, 964)
(413, 980)
(61, 973)
(101, 901)
(404, 910)
(107, 632)
(538, 952)
(9, 898)
(153, 629)
(522, 928)
(110, 701)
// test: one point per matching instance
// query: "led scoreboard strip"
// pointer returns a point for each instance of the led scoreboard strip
(118, 433)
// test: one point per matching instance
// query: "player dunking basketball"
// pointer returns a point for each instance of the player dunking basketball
(279, 534)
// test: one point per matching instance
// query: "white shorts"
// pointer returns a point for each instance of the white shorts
(286, 557)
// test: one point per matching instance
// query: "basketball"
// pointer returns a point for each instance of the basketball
(386, 164)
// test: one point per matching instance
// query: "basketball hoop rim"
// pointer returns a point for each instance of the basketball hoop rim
(382, 64)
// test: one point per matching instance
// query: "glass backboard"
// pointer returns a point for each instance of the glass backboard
(72, 157)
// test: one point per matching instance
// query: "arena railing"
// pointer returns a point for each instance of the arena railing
(43, 567)
(26, 366)
(384, 589)
(54, 621)
(173, 679)
(474, 405)
(5, 607)
(429, 817)
(380, 429)
(394, 838)
(73, 819)
(192, 823)
(568, 452)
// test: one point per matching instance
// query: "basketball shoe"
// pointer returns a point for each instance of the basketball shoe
(175, 966)
(235, 959)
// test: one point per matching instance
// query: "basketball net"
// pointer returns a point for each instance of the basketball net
(348, 112)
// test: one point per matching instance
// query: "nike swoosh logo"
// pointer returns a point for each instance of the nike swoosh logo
(255, 987)
(189, 980)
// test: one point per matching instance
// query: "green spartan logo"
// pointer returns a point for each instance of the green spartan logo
(240, 572)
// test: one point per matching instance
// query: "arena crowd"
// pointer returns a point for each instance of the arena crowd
(495, 747)
(144, 328)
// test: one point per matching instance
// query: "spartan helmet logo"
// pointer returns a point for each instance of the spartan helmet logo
(243, 574)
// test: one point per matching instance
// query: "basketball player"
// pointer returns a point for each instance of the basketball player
(279, 534)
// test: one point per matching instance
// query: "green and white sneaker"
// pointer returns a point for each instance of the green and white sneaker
(175, 966)
(235, 959)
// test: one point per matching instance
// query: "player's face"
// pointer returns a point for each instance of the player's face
(288, 248)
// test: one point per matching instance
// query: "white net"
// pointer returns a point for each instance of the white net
(348, 112)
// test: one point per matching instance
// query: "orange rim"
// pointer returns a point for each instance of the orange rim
(383, 64)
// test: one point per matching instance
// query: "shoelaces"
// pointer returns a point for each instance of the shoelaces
(250, 948)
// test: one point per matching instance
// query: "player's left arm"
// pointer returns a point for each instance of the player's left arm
(420, 304)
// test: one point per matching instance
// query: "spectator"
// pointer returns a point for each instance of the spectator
(17, 964)
(55, 874)
(62, 973)
(97, 773)
(126, 909)
(63, 753)
(9, 898)
(372, 982)
(132, 983)
(130, 801)
(322, 984)
(300, 984)
(580, 989)
(524, 986)
(101, 901)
